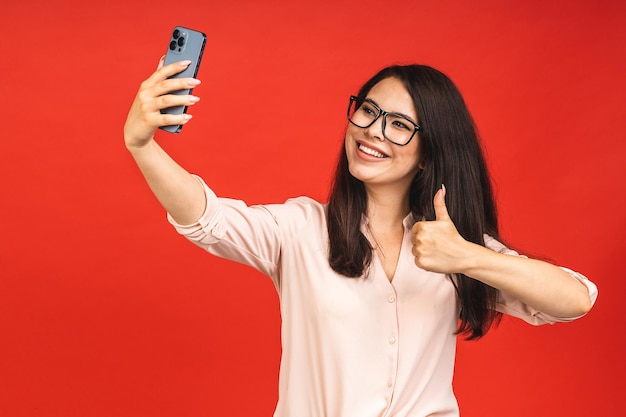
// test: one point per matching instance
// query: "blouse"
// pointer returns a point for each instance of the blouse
(352, 347)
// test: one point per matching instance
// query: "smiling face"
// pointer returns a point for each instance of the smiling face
(374, 160)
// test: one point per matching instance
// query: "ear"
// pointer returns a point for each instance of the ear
(423, 162)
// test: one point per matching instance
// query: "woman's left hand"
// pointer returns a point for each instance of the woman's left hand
(437, 245)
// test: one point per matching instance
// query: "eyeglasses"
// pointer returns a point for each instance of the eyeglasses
(396, 127)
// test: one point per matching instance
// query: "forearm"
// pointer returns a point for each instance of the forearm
(540, 285)
(177, 190)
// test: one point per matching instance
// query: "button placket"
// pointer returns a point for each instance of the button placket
(393, 346)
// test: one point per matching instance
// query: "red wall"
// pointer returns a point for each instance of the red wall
(105, 311)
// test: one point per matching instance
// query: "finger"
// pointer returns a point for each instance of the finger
(174, 84)
(161, 62)
(174, 68)
(159, 119)
(165, 71)
(165, 87)
(439, 201)
(416, 229)
(172, 100)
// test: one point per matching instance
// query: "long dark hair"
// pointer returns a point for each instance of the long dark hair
(451, 155)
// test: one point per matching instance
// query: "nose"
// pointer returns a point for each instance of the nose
(376, 129)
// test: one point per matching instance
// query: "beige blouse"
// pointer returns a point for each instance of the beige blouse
(352, 347)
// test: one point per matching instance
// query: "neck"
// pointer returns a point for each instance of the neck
(386, 208)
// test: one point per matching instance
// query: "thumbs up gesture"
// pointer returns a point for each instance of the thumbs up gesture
(437, 245)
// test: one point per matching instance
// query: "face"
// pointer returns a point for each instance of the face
(374, 160)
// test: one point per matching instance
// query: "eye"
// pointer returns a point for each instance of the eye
(368, 109)
(400, 123)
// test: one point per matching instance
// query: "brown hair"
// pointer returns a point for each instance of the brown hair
(451, 155)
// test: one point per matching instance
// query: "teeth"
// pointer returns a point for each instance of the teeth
(372, 152)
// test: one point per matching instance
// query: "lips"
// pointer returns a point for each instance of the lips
(371, 151)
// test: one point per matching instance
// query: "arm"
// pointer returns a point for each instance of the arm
(540, 285)
(178, 191)
(438, 247)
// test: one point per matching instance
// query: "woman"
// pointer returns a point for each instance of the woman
(373, 284)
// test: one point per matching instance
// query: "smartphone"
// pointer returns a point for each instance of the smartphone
(184, 44)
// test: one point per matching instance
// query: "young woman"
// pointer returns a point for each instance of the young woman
(375, 285)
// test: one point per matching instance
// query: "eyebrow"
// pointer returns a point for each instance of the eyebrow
(393, 112)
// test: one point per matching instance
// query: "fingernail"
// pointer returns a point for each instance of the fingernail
(186, 118)
(443, 187)
(184, 63)
(193, 81)
(194, 99)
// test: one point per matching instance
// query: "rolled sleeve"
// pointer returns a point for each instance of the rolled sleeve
(206, 230)
(514, 307)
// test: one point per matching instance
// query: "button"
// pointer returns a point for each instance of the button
(392, 340)
(392, 298)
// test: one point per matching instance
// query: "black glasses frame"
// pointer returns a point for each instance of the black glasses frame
(384, 114)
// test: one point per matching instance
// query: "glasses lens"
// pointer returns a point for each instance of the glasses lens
(398, 129)
(362, 113)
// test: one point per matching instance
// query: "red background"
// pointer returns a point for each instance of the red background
(105, 311)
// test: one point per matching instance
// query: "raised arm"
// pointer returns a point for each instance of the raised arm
(438, 247)
(176, 189)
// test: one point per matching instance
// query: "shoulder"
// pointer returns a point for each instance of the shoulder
(298, 212)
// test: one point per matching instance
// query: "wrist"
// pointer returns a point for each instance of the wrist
(475, 258)
(135, 147)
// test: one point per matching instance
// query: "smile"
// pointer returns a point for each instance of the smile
(371, 151)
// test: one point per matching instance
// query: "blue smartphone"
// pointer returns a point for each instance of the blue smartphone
(184, 44)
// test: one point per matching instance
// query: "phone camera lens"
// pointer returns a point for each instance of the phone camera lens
(172, 45)
(181, 41)
(176, 34)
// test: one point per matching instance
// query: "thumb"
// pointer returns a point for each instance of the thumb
(161, 62)
(439, 201)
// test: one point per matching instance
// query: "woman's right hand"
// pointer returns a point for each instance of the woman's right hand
(145, 116)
